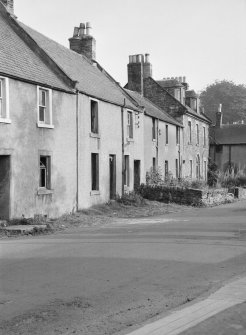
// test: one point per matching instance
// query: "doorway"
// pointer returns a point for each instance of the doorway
(112, 176)
(4, 187)
(136, 174)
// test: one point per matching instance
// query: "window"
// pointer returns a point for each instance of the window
(4, 102)
(45, 172)
(166, 134)
(189, 132)
(204, 136)
(198, 167)
(44, 108)
(177, 168)
(154, 128)
(177, 135)
(191, 168)
(166, 169)
(94, 116)
(205, 170)
(126, 171)
(129, 125)
(95, 172)
(197, 134)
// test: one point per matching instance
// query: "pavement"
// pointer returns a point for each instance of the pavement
(176, 323)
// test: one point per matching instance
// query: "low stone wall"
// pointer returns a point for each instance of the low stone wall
(186, 196)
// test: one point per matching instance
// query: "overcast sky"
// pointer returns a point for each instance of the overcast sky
(203, 40)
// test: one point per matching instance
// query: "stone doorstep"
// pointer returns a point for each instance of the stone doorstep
(22, 229)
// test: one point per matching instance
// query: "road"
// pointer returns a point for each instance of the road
(111, 279)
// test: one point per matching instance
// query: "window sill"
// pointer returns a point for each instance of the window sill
(44, 191)
(44, 125)
(95, 193)
(129, 139)
(4, 120)
(95, 135)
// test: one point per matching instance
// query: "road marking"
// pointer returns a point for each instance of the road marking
(179, 321)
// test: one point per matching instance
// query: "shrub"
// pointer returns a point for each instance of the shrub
(131, 199)
(154, 176)
(212, 173)
(232, 178)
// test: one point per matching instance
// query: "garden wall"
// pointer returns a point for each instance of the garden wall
(186, 196)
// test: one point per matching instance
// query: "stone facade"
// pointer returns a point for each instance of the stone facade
(194, 147)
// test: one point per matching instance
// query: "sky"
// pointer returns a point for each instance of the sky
(204, 40)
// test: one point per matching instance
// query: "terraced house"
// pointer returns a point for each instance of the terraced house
(70, 136)
(189, 148)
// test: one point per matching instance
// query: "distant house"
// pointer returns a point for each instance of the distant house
(228, 145)
(173, 97)
(70, 136)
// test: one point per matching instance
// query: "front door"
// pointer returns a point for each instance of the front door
(4, 187)
(112, 176)
(136, 174)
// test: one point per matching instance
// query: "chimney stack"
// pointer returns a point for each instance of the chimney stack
(139, 68)
(9, 4)
(218, 123)
(82, 42)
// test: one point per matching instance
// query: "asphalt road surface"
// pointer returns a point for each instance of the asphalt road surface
(111, 279)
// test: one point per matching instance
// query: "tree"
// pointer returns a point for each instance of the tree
(231, 96)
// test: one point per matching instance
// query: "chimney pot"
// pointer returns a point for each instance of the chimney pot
(134, 59)
(146, 58)
(83, 43)
(76, 32)
(88, 28)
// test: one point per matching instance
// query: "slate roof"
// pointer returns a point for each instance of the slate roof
(91, 80)
(229, 134)
(151, 109)
(18, 60)
(169, 83)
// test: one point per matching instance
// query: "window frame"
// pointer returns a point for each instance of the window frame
(197, 134)
(204, 137)
(154, 129)
(129, 124)
(47, 168)
(48, 106)
(166, 135)
(191, 168)
(189, 132)
(4, 82)
(96, 125)
(177, 135)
